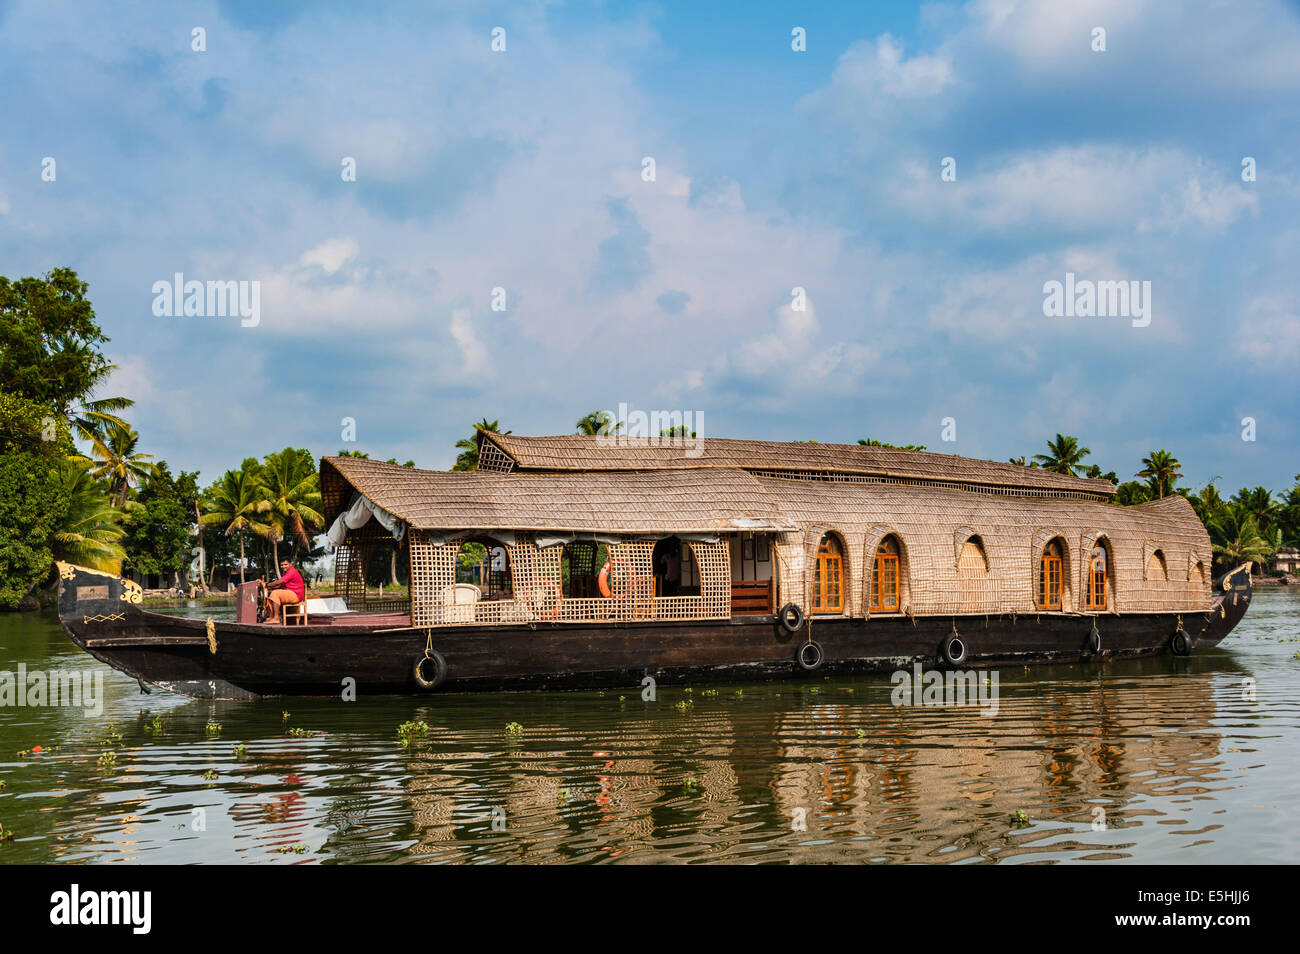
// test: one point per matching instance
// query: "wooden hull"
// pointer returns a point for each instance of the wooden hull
(253, 660)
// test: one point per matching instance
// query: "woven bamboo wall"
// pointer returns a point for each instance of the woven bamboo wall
(538, 586)
(932, 524)
(350, 562)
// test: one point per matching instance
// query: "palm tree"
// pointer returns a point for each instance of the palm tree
(116, 458)
(1236, 537)
(237, 502)
(89, 532)
(1259, 502)
(598, 422)
(292, 488)
(1064, 455)
(90, 419)
(1017, 460)
(1161, 469)
(467, 459)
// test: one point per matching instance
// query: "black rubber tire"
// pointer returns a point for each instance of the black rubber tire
(953, 649)
(791, 617)
(1180, 644)
(431, 660)
(810, 656)
(1094, 641)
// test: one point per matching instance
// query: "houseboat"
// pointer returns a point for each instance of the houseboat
(576, 561)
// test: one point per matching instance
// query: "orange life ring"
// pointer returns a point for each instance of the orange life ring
(602, 579)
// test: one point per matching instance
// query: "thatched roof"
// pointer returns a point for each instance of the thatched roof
(647, 502)
(722, 499)
(584, 453)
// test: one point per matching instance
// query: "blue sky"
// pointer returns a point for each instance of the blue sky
(775, 170)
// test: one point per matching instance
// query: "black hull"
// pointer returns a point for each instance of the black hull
(256, 660)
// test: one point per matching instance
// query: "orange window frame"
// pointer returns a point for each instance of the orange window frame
(1096, 599)
(828, 582)
(886, 570)
(1049, 583)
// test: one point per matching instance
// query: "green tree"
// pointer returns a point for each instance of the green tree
(1236, 538)
(160, 525)
(292, 488)
(1064, 455)
(1288, 515)
(1259, 501)
(1093, 472)
(598, 422)
(90, 531)
(33, 500)
(467, 458)
(1132, 492)
(1160, 468)
(50, 350)
(872, 442)
(236, 504)
(116, 458)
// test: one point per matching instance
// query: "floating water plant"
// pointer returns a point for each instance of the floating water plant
(1020, 819)
(212, 728)
(410, 731)
(240, 749)
(514, 728)
(691, 786)
(302, 733)
(210, 775)
(107, 760)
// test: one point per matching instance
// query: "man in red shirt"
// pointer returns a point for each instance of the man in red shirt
(287, 590)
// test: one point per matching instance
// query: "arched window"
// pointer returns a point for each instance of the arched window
(973, 561)
(885, 578)
(1050, 577)
(580, 562)
(1094, 596)
(1157, 567)
(485, 563)
(828, 577)
(972, 573)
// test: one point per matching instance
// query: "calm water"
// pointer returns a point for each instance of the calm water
(1184, 767)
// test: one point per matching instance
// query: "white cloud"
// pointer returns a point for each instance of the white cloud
(1084, 187)
(462, 330)
(1268, 331)
(331, 255)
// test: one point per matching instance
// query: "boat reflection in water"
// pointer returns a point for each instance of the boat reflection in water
(839, 776)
